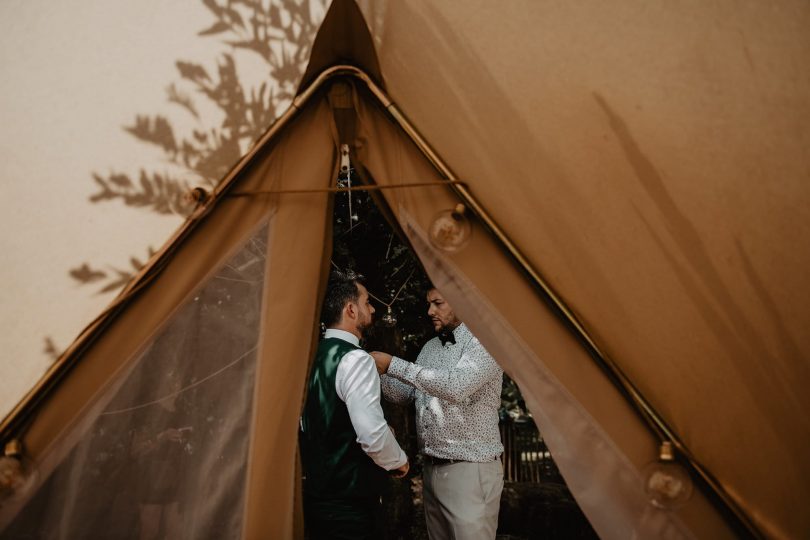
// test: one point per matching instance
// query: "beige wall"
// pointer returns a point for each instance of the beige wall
(74, 74)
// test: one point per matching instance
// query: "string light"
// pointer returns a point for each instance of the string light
(389, 319)
(17, 473)
(183, 389)
(666, 482)
(450, 230)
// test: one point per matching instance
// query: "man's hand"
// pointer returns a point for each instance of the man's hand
(383, 360)
(401, 472)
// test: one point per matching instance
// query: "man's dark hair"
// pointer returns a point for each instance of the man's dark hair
(341, 289)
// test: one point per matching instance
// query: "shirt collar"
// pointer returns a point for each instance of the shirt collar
(459, 332)
(342, 334)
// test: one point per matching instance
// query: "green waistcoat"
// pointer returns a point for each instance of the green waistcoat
(335, 466)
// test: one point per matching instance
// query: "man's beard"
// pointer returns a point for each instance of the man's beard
(447, 327)
(365, 325)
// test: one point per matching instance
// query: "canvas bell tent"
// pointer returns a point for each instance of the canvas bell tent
(637, 185)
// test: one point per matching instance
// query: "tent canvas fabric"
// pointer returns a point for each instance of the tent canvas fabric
(656, 176)
(151, 311)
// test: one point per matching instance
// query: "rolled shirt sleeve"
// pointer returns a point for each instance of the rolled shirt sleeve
(358, 385)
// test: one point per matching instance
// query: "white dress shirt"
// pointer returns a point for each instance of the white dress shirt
(358, 384)
(457, 390)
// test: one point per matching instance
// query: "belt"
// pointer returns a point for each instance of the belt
(433, 460)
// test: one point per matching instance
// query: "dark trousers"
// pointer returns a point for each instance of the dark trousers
(337, 519)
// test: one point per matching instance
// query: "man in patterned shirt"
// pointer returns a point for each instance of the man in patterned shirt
(456, 387)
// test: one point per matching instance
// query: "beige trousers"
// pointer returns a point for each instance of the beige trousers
(462, 500)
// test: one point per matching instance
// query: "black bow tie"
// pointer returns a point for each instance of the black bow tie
(446, 336)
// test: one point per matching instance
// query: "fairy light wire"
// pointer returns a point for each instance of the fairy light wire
(396, 296)
(374, 296)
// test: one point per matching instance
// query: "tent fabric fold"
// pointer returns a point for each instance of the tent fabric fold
(492, 296)
(607, 486)
(303, 156)
(650, 164)
(176, 411)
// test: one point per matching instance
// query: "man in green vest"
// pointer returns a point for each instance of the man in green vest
(346, 443)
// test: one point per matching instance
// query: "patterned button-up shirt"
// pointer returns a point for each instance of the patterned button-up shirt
(457, 392)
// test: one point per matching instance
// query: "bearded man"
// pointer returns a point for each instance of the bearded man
(456, 387)
(346, 444)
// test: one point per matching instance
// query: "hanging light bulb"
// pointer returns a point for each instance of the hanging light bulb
(16, 472)
(198, 195)
(666, 482)
(190, 201)
(388, 319)
(450, 229)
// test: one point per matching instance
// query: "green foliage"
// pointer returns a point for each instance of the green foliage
(512, 405)
(364, 241)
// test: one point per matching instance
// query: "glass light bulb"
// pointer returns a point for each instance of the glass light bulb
(189, 201)
(17, 472)
(666, 482)
(12, 476)
(450, 230)
(388, 319)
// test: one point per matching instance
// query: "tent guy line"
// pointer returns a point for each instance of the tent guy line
(341, 189)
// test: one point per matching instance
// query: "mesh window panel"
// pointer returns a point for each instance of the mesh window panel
(163, 451)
